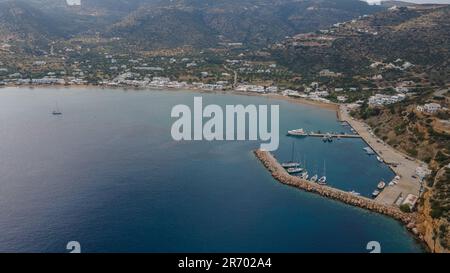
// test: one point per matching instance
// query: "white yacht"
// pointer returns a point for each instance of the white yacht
(290, 165)
(314, 178)
(294, 170)
(381, 185)
(297, 132)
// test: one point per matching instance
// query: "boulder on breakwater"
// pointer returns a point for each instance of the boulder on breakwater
(280, 174)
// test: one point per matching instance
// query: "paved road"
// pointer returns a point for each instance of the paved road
(401, 164)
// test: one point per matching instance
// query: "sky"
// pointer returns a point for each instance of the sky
(417, 1)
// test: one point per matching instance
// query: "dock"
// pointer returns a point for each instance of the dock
(333, 135)
(280, 174)
(400, 164)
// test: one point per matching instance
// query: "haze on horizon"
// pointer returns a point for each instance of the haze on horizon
(416, 1)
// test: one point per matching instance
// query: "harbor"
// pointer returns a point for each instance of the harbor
(406, 182)
(281, 175)
(404, 188)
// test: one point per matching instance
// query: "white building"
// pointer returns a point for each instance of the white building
(430, 108)
(380, 99)
(341, 98)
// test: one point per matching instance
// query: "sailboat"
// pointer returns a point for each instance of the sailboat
(304, 175)
(314, 177)
(56, 111)
(323, 179)
(291, 164)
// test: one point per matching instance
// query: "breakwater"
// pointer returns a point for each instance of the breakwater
(280, 174)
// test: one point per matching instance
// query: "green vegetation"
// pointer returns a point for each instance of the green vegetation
(405, 208)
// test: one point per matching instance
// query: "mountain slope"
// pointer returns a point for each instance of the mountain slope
(253, 22)
(421, 36)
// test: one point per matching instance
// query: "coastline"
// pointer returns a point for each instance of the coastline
(274, 96)
(408, 220)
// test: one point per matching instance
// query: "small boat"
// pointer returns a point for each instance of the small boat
(304, 175)
(379, 159)
(314, 178)
(290, 165)
(375, 193)
(369, 151)
(329, 137)
(354, 193)
(323, 179)
(294, 170)
(56, 111)
(381, 185)
(297, 132)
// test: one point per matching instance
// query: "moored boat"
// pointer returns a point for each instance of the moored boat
(381, 185)
(375, 193)
(297, 132)
(323, 179)
(290, 165)
(304, 175)
(294, 170)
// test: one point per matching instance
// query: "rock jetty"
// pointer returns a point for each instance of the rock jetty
(280, 174)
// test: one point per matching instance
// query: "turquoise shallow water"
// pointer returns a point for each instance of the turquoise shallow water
(108, 174)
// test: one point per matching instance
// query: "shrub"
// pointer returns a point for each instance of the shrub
(405, 208)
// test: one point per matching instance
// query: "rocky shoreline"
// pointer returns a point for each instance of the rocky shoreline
(280, 174)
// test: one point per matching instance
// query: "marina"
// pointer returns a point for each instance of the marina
(352, 198)
(302, 133)
(406, 180)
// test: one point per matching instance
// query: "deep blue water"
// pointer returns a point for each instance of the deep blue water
(108, 174)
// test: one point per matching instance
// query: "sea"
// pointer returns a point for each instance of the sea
(108, 175)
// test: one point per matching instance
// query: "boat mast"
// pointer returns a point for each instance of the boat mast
(292, 152)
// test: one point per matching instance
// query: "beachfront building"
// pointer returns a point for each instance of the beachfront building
(319, 94)
(291, 93)
(250, 88)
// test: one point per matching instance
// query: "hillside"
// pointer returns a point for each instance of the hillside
(419, 35)
(424, 136)
(252, 22)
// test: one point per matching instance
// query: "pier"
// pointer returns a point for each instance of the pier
(280, 174)
(402, 165)
(332, 135)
